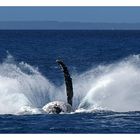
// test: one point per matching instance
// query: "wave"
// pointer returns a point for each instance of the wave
(116, 87)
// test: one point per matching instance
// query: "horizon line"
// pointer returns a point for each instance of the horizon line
(70, 21)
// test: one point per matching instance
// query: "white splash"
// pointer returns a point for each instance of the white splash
(116, 87)
(22, 85)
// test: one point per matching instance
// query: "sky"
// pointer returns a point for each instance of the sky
(80, 14)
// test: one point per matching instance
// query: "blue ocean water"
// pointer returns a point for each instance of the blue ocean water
(105, 67)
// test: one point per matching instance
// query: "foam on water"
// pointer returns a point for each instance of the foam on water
(24, 90)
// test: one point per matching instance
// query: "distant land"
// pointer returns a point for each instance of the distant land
(56, 25)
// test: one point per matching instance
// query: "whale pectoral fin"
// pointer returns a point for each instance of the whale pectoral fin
(68, 81)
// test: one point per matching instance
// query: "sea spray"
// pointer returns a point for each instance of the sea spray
(22, 86)
(116, 87)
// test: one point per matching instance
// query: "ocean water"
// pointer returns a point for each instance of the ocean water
(104, 66)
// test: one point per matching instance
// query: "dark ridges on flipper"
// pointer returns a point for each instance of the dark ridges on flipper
(68, 81)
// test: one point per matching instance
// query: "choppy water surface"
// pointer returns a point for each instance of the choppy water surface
(104, 65)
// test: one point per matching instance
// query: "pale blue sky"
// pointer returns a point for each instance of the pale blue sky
(82, 14)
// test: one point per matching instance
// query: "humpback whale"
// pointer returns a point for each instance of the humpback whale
(57, 107)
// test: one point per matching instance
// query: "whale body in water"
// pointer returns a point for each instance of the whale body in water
(57, 107)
